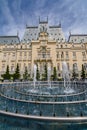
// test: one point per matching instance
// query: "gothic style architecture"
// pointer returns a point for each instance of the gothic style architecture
(43, 45)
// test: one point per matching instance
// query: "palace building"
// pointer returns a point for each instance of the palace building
(43, 45)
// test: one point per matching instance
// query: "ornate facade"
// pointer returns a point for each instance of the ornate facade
(40, 45)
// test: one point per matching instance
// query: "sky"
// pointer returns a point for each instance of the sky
(16, 14)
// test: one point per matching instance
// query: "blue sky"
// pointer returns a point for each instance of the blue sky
(15, 14)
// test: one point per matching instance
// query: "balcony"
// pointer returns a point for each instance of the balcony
(43, 58)
(43, 43)
(84, 59)
(62, 59)
(74, 59)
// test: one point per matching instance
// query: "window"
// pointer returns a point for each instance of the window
(48, 54)
(74, 55)
(13, 54)
(58, 67)
(68, 66)
(57, 55)
(25, 53)
(85, 66)
(67, 55)
(29, 67)
(24, 66)
(43, 55)
(4, 54)
(84, 55)
(61, 46)
(62, 55)
(3, 67)
(20, 53)
(12, 67)
(75, 67)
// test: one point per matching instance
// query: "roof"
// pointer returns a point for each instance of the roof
(32, 27)
(77, 38)
(9, 39)
(32, 32)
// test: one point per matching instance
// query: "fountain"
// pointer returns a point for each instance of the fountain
(49, 75)
(62, 105)
(66, 77)
(35, 69)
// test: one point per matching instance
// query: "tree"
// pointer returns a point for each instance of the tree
(54, 73)
(74, 74)
(7, 75)
(83, 75)
(16, 75)
(25, 75)
(45, 72)
(37, 74)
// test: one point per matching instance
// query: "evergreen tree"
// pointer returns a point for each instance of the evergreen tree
(83, 75)
(25, 75)
(7, 74)
(17, 73)
(37, 74)
(54, 74)
(45, 72)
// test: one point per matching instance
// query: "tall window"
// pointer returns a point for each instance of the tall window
(25, 53)
(20, 53)
(43, 55)
(29, 67)
(57, 55)
(13, 54)
(3, 67)
(68, 66)
(4, 54)
(85, 66)
(12, 67)
(67, 55)
(62, 55)
(74, 55)
(84, 55)
(58, 67)
(75, 67)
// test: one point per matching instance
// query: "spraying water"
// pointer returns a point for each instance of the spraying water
(35, 69)
(65, 73)
(49, 75)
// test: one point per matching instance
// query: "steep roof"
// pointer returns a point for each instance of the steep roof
(32, 32)
(9, 39)
(78, 38)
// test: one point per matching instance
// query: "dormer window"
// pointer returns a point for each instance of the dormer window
(61, 46)
(21, 46)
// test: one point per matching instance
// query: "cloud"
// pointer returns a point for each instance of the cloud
(16, 14)
(6, 13)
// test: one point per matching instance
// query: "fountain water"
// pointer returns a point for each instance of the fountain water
(49, 75)
(35, 69)
(65, 73)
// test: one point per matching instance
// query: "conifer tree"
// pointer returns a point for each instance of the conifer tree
(83, 75)
(37, 74)
(7, 74)
(45, 72)
(17, 73)
(25, 75)
(74, 74)
(54, 74)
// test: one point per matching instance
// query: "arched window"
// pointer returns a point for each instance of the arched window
(75, 67)
(58, 67)
(85, 66)
(62, 55)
